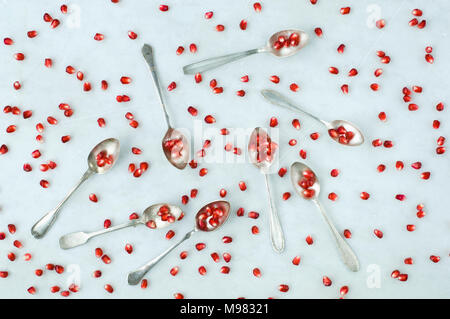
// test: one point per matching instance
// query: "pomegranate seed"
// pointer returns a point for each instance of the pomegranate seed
(218, 90)
(209, 15)
(50, 266)
(65, 138)
(410, 228)
(435, 259)
(11, 129)
(134, 124)
(374, 86)
(240, 93)
(170, 234)
(436, 124)
(326, 281)
(341, 48)
(429, 58)
(255, 230)
(425, 175)
(380, 23)
(194, 193)
(332, 196)
(19, 56)
(318, 32)
(106, 259)
(54, 289)
(98, 252)
(283, 288)
(399, 165)
(220, 27)
(364, 195)
(422, 24)
(63, 8)
(198, 78)
(309, 240)
(32, 34)
(226, 257)
(44, 183)
(243, 24)
(174, 271)
(417, 12)
(440, 107)
(253, 215)
(408, 261)
(400, 197)
(8, 41)
(352, 72)
(128, 248)
(403, 277)
(109, 288)
(395, 274)
(87, 86)
(440, 150)
(257, 6)
(11, 229)
(333, 70)
(388, 144)
(183, 254)
(31, 290)
(11, 256)
(97, 274)
(296, 260)
(209, 119)
(178, 296)
(202, 270)
(27, 114)
(302, 154)
(200, 246)
(294, 87)
(225, 270)
(275, 79)
(378, 233)
(55, 23)
(347, 234)
(59, 269)
(273, 122)
(257, 272)
(99, 37)
(227, 239)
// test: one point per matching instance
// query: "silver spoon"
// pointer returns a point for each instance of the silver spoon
(340, 131)
(174, 143)
(307, 186)
(272, 46)
(259, 145)
(160, 215)
(209, 218)
(100, 160)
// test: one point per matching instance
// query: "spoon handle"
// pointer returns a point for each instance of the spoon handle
(136, 276)
(147, 52)
(347, 254)
(278, 99)
(212, 63)
(276, 232)
(43, 225)
(79, 238)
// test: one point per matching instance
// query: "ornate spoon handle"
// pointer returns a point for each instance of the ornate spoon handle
(276, 232)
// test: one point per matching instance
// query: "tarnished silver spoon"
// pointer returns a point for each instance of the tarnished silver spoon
(100, 160)
(307, 186)
(261, 151)
(209, 218)
(281, 44)
(155, 216)
(341, 131)
(174, 143)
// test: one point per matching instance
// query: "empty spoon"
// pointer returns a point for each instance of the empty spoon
(174, 143)
(340, 131)
(209, 218)
(261, 151)
(307, 186)
(100, 160)
(281, 44)
(155, 216)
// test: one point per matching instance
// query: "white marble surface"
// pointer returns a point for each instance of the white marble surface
(23, 201)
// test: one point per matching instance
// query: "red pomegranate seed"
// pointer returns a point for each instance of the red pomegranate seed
(227, 239)
(54, 289)
(374, 86)
(435, 259)
(253, 215)
(332, 196)
(134, 124)
(296, 260)
(65, 138)
(429, 58)
(408, 261)
(11, 256)
(200, 246)
(50, 266)
(364, 195)
(202, 270)
(178, 296)
(240, 93)
(422, 24)
(283, 288)
(109, 288)
(294, 87)
(27, 114)
(399, 165)
(242, 186)
(198, 78)
(106, 259)
(218, 90)
(440, 107)
(87, 86)
(341, 48)
(243, 24)
(11, 129)
(255, 230)
(425, 175)
(59, 269)
(347, 234)
(226, 257)
(44, 183)
(333, 70)
(417, 12)
(19, 56)
(55, 23)
(209, 15)
(32, 34)
(132, 35)
(8, 41)
(395, 274)
(128, 248)
(98, 252)
(183, 254)
(256, 272)
(257, 6)
(309, 240)
(99, 37)
(275, 79)
(403, 277)
(174, 271)
(64, 8)
(388, 144)
(345, 10)
(353, 72)
(209, 119)
(400, 197)
(240, 212)
(302, 154)
(318, 32)
(225, 270)
(440, 150)
(378, 233)
(220, 27)
(97, 274)
(410, 228)
(380, 23)
(31, 290)
(326, 281)
(11, 229)
(273, 122)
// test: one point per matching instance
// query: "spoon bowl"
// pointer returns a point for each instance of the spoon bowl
(176, 148)
(277, 43)
(301, 172)
(212, 216)
(209, 218)
(155, 217)
(345, 133)
(261, 149)
(103, 156)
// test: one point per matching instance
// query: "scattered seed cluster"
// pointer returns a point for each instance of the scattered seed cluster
(11, 242)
